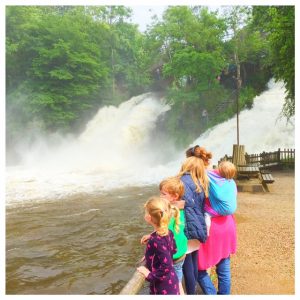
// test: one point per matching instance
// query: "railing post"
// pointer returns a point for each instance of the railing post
(134, 285)
(263, 156)
(247, 158)
(278, 156)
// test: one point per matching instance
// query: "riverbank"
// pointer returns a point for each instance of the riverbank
(265, 260)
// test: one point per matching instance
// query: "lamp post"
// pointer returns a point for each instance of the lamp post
(238, 83)
(237, 94)
(238, 155)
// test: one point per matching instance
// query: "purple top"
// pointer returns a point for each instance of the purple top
(162, 277)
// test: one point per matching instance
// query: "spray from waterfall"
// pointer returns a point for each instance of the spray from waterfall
(261, 129)
(118, 148)
(116, 138)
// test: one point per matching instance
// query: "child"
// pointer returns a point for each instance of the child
(222, 192)
(172, 190)
(159, 270)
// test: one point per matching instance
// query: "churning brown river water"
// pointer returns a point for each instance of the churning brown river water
(81, 245)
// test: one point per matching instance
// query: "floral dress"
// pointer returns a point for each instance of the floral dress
(162, 277)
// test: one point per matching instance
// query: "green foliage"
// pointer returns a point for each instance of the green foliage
(185, 121)
(67, 61)
(64, 62)
(246, 97)
(189, 42)
(277, 25)
(201, 68)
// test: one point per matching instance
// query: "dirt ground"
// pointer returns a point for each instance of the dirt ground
(265, 260)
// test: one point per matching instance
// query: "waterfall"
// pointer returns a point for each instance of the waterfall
(261, 128)
(118, 148)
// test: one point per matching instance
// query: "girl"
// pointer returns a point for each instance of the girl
(222, 188)
(172, 190)
(195, 180)
(159, 270)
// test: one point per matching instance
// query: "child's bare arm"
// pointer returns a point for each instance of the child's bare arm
(145, 239)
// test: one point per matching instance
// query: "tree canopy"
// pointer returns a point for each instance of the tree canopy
(64, 62)
(277, 25)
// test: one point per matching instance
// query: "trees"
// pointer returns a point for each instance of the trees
(60, 65)
(63, 62)
(189, 43)
(277, 25)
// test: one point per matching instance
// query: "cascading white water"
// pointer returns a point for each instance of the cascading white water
(116, 149)
(261, 128)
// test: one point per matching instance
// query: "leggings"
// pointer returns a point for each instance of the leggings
(190, 272)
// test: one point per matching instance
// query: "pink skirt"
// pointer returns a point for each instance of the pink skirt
(220, 244)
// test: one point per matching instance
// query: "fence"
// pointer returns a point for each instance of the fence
(282, 157)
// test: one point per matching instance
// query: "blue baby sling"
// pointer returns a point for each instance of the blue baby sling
(222, 194)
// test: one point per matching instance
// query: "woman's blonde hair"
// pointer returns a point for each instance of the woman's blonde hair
(176, 215)
(195, 166)
(161, 211)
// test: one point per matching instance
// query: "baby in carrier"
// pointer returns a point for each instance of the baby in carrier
(222, 192)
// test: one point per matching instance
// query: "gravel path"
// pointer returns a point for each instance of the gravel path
(265, 260)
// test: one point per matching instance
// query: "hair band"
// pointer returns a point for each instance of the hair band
(193, 150)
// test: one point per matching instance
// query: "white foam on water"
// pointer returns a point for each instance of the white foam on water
(116, 149)
(260, 128)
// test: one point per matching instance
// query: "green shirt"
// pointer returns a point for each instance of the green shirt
(180, 238)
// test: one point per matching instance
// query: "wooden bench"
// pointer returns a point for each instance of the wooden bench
(266, 177)
(247, 171)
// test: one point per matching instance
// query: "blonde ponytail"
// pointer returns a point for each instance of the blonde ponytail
(176, 215)
(163, 224)
(160, 211)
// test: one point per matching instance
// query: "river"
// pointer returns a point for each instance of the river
(80, 245)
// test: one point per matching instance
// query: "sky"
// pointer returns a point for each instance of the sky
(142, 14)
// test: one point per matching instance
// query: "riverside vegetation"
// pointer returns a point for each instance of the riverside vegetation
(63, 63)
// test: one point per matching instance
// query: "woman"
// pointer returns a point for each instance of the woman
(220, 244)
(195, 180)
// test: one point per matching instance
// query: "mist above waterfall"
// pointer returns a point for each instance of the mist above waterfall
(260, 129)
(117, 148)
(121, 147)
(114, 139)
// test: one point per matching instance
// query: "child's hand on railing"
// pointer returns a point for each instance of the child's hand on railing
(145, 239)
(143, 270)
